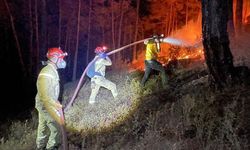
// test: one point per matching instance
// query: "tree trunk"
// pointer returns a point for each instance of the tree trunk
(230, 25)
(53, 23)
(136, 29)
(43, 29)
(216, 43)
(16, 38)
(37, 55)
(77, 42)
(173, 23)
(113, 24)
(30, 38)
(103, 26)
(170, 19)
(166, 23)
(113, 28)
(89, 31)
(239, 9)
(120, 24)
(186, 13)
(60, 23)
(120, 28)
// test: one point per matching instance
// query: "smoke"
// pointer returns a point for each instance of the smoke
(189, 34)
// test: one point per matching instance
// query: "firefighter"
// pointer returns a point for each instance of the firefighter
(97, 74)
(47, 104)
(151, 63)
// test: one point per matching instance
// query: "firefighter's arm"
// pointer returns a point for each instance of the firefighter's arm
(54, 108)
(106, 61)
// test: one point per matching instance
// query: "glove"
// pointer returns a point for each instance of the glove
(145, 42)
(102, 55)
(58, 105)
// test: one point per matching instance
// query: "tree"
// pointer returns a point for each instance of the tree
(43, 28)
(239, 16)
(89, 31)
(218, 56)
(37, 56)
(77, 41)
(30, 38)
(16, 37)
(136, 28)
(231, 28)
(52, 9)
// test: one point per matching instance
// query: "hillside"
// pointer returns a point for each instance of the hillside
(187, 115)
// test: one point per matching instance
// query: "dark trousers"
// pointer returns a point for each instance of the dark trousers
(155, 65)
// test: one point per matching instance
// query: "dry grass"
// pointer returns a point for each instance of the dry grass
(20, 135)
(107, 112)
(187, 116)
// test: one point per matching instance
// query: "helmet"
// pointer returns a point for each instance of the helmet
(100, 49)
(155, 36)
(56, 52)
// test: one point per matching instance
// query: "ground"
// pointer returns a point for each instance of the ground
(187, 115)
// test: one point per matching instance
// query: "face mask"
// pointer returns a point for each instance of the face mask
(61, 64)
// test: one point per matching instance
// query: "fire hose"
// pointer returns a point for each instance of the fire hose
(165, 40)
(63, 131)
(83, 75)
(169, 40)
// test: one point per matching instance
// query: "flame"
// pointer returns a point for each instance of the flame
(193, 50)
(191, 34)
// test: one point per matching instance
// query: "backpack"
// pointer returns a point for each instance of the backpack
(91, 71)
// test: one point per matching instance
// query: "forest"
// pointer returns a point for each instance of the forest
(205, 107)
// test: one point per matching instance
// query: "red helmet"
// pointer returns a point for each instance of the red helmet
(100, 49)
(56, 52)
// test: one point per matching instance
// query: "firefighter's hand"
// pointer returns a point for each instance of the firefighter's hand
(58, 105)
(102, 55)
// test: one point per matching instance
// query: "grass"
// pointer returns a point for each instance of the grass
(189, 115)
(20, 135)
(107, 112)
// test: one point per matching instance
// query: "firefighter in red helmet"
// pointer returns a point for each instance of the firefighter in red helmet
(97, 74)
(47, 104)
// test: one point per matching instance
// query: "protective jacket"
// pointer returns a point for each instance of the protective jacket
(151, 51)
(100, 81)
(46, 104)
(100, 65)
(47, 88)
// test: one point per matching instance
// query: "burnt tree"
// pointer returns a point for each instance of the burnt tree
(218, 56)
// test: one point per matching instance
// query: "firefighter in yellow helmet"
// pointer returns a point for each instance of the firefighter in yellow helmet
(47, 104)
(151, 63)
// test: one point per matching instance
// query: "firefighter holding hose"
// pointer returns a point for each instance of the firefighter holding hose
(151, 63)
(49, 108)
(97, 74)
